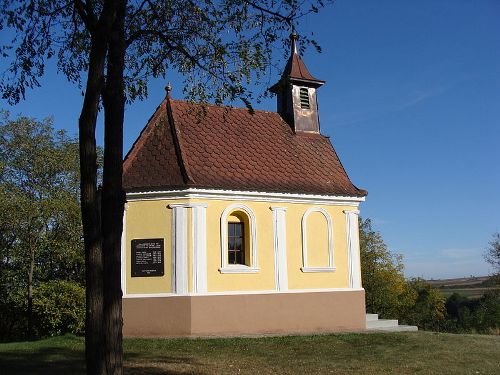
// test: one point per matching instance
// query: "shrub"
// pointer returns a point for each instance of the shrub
(428, 308)
(59, 307)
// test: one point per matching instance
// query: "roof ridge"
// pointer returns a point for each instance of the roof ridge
(223, 106)
(139, 140)
(177, 144)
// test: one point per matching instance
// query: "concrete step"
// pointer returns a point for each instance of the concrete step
(399, 328)
(381, 323)
(370, 317)
(373, 323)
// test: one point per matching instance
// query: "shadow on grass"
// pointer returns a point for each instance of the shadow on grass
(140, 363)
(50, 360)
(65, 361)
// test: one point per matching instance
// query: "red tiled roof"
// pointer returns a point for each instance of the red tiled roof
(208, 146)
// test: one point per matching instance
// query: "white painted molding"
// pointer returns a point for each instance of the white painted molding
(238, 268)
(305, 267)
(356, 212)
(199, 240)
(279, 241)
(317, 269)
(124, 251)
(151, 295)
(187, 205)
(238, 195)
(179, 250)
(235, 293)
(354, 261)
(224, 267)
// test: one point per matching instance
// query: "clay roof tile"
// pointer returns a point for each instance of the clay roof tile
(231, 148)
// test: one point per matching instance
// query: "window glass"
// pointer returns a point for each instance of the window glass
(235, 243)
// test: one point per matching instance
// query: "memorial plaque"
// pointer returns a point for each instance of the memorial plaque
(147, 257)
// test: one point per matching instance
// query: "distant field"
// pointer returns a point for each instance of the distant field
(472, 287)
(467, 292)
(423, 353)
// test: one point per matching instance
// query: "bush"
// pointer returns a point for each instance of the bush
(59, 307)
(13, 322)
(466, 315)
(427, 310)
(386, 289)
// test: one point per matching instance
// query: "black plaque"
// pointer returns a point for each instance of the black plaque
(147, 257)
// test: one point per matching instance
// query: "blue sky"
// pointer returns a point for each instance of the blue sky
(412, 105)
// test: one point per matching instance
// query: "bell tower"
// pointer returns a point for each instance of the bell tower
(296, 93)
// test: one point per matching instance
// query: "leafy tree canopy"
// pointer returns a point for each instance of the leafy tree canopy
(40, 226)
(387, 292)
(219, 46)
(492, 255)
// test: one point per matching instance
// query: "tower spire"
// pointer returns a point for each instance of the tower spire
(293, 39)
(296, 93)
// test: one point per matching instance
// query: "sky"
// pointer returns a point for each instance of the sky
(412, 105)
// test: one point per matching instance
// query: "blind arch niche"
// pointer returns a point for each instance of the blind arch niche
(329, 265)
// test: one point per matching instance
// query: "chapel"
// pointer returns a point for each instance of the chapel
(240, 222)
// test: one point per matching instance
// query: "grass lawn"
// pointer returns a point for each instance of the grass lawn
(370, 353)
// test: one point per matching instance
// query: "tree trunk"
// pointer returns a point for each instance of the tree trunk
(30, 293)
(113, 196)
(90, 208)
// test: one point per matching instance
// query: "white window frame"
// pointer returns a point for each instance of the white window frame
(330, 267)
(252, 232)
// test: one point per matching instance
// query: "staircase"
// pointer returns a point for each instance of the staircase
(373, 323)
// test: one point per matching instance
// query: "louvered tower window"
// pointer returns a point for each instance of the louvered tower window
(304, 98)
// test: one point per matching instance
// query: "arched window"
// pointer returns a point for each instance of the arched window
(319, 234)
(238, 240)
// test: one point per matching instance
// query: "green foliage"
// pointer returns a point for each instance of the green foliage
(59, 307)
(220, 47)
(387, 291)
(39, 204)
(492, 256)
(40, 227)
(466, 315)
(13, 322)
(428, 308)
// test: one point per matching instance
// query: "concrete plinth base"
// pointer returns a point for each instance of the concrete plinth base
(244, 314)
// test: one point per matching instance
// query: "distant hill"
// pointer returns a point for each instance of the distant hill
(472, 287)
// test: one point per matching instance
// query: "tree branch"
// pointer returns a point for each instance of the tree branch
(287, 19)
(85, 12)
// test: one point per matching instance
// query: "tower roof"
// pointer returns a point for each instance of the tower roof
(296, 70)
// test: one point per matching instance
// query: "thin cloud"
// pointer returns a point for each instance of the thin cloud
(446, 263)
(359, 116)
(460, 253)
(420, 96)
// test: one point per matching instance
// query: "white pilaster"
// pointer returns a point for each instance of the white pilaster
(199, 248)
(179, 249)
(353, 248)
(280, 259)
(124, 251)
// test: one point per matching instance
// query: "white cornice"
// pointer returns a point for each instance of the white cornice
(245, 292)
(238, 195)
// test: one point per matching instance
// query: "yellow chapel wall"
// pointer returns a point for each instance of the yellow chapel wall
(148, 219)
(152, 219)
